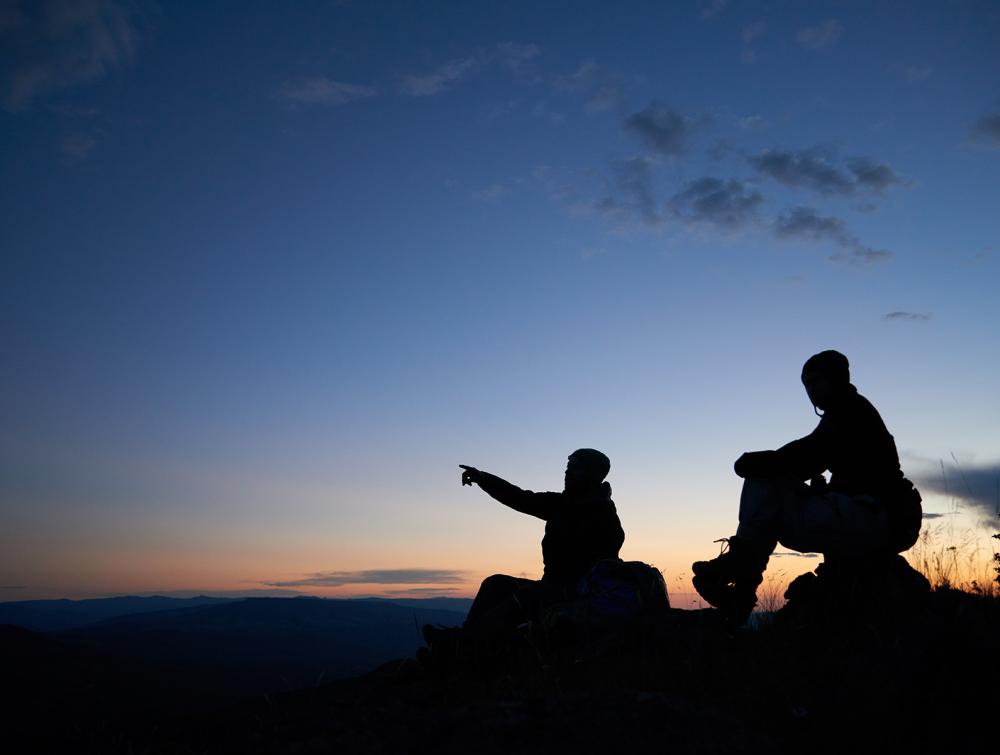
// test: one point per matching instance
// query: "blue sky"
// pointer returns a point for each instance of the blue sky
(271, 271)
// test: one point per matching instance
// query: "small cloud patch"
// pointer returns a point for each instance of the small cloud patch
(820, 37)
(662, 129)
(319, 90)
(753, 123)
(906, 316)
(77, 146)
(986, 131)
(440, 79)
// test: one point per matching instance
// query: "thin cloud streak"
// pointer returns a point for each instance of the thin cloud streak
(320, 90)
(440, 79)
(375, 577)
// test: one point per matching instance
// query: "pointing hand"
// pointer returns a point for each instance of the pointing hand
(470, 475)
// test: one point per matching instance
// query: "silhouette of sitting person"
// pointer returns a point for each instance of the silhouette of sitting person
(581, 528)
(867, 509)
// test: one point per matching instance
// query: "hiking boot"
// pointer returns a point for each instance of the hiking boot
(729, 581)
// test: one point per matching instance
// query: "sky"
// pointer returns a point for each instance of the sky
(272, 271)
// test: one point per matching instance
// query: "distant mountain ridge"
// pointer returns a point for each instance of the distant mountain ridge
(65, 614)
(232, 647)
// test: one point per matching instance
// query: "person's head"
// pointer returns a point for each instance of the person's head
(825, 376)
(586, 469)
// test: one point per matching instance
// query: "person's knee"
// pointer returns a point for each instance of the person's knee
(495, 581)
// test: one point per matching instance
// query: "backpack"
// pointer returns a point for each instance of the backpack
(613, 592)
(905, 517)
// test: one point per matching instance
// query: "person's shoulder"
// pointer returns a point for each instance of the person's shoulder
(861, 403)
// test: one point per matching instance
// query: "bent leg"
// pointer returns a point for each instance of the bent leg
(765, 505)
(495, 604)
(836, 524)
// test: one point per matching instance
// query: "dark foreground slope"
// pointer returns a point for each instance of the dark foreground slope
(87, 687)
(922, 682)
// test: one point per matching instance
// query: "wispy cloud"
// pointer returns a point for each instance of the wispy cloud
(607, 96)
(320, 90)
(77, 146)
(726, 205)
(58, 44)
(820, 37)
(581, 78)
(375, 577)
(872, 176)
(975, 485)
(907, 316)
(986, 131)
(753, 123)
(491, 193)
(816, 169)
(603, 90)
(543, 112)
(630, 193)
(662, 128)
(438, 80)
(911, 74)
(513, 55)
(753, 31)
(749, 34)
(806, 223)
(709, 9)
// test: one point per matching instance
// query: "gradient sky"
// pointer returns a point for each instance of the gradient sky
(271, 271)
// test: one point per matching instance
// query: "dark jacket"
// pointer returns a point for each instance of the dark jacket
(579, 530)
(853, 444)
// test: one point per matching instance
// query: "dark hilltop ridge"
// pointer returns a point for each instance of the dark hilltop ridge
(898, 668)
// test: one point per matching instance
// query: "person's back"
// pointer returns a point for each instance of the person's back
(852, 443)
(579, 533)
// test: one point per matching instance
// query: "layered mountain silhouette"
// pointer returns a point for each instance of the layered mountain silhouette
(56, 615)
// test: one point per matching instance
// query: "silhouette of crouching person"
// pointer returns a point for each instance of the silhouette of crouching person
(581, 528)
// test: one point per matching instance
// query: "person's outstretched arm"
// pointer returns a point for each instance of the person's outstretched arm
(535, 504)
